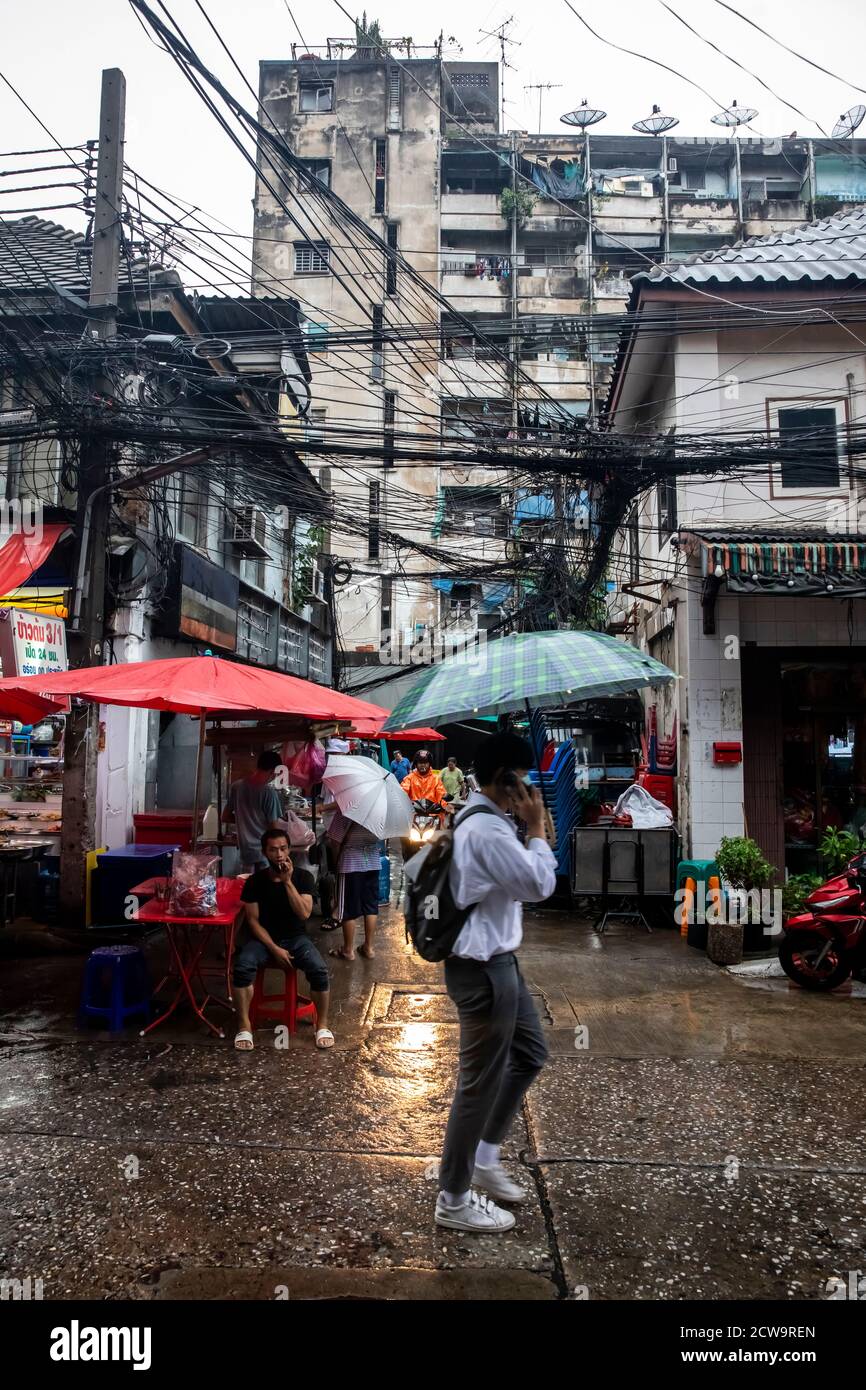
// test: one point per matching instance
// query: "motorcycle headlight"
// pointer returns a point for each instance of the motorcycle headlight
(428, 833)
(415, 835)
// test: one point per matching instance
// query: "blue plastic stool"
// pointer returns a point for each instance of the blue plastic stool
(115, 986)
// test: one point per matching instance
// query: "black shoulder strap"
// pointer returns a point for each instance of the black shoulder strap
(472, 811)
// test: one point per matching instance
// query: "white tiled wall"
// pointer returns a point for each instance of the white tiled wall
(714, 691)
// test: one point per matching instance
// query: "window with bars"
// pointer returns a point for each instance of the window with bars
(389, 416)
(477, 511)
(667, 503)
(192, 511)
(312, 258)
(633, 532)
(317, 656)
(377, 354)
(391, 264)
(318, 169)
(316, 96)
(394, 99)
(254, 632)
(386, 615)
(373, 521)
(289, 645)
(379, 190)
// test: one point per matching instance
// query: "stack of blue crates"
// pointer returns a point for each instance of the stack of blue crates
(564, 801)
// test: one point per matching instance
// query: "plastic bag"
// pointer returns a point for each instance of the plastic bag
(306, 767)
(299, 833)
(646, 813)
(193, 885)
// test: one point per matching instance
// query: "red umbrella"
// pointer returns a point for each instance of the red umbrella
(199, 684)
(202, 685)
(27, 706)
(372, 728)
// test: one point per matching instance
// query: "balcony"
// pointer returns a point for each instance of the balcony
(612, 286)
(471, 212)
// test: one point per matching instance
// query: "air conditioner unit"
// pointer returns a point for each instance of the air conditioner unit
(317, 585)
(248, 533)
(701, 192)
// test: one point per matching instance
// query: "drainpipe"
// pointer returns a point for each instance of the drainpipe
(739, 185)
(515, 335)
(666, 207)
(590, 290)
(813, 192)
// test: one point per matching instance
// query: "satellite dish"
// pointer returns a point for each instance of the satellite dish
(584, 116)
(847, 124)
(655, 124)
(734, 115)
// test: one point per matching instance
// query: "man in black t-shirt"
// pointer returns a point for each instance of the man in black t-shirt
(278, 900)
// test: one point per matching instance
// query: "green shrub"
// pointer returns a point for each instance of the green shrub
(837, 847)
(742, 862)
(796, 891)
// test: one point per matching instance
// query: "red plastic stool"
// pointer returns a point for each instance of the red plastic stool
(285, 1006)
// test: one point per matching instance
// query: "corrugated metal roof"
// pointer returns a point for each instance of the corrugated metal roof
(833, 249)
(789, 535)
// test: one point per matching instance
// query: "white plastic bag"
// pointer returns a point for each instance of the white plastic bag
(646, 813)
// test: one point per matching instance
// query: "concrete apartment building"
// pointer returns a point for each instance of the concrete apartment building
(414, 146)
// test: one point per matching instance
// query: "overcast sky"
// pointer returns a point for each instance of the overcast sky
(54, 50)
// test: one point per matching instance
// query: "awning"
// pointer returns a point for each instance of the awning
(22, 555)
(784, 564)
(493, 594)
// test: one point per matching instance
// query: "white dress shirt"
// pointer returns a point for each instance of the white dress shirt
(491, 868)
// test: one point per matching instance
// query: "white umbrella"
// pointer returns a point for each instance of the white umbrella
(368, 794)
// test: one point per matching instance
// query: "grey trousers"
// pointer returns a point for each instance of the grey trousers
(502, 1050)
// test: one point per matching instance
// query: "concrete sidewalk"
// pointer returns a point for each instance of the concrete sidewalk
(691, 1138)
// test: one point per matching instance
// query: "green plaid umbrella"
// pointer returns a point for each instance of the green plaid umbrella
(538, 668)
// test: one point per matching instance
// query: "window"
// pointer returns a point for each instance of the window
(377, 355)
(381, 156)
(312, 257)
(391, 264)
(316, 96)
(192, 511)
(474, 511)
(318, 169)
(389, 413)
(386, 618)
(809, 439)
(394, 102)
(314, 425)
(667, 498)
(315, 336)
(373, 522)
(633, 533)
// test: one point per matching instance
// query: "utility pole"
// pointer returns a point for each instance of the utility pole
(590, 283)
(78, 835)
(540, 87)
(515, 331)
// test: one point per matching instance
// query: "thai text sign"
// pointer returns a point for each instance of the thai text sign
(31, 644)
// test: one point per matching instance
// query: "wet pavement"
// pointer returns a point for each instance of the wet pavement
(694, 1136)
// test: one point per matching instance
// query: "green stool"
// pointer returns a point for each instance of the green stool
(701, 870)
(697, 869)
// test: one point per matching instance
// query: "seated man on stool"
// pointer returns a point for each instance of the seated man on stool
(278, 900)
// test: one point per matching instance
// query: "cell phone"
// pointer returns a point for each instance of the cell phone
(509, 780)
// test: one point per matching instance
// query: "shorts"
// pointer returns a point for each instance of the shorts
(357, 895)
(253, 955)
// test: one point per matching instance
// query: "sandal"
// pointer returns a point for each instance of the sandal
(329, 925)
(340, 953)
(324, 1038)
(244, 1041)
(367, 952)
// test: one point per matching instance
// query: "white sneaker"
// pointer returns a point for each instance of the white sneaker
(479, 1215)
(496, 1183)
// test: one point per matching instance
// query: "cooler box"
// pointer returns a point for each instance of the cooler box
(117, 871)
(164, 828)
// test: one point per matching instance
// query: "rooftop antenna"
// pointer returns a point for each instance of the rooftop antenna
(540, 87)
(584, 116)
(848, 122)
(502, 35)
(656, 123)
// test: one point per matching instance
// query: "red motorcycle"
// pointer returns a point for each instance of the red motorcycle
(826, 944)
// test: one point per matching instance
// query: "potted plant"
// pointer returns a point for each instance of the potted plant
(836, 848)
(744, 868)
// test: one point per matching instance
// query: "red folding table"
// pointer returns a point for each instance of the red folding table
(188, 939)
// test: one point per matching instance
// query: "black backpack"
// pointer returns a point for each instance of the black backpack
(433, 919)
